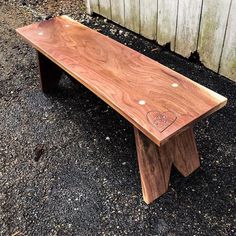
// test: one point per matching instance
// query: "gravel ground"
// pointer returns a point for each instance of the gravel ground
(68, 161)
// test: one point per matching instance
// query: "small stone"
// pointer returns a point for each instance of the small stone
(39, 151)
(48, 17)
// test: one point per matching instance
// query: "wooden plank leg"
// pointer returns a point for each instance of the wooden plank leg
(50, 73)
(155, 162)
(185, 155)
(154, 167)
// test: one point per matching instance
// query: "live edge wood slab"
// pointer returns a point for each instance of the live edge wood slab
(162, 104)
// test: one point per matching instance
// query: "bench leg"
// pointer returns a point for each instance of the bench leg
(50, 73)
(155, 162)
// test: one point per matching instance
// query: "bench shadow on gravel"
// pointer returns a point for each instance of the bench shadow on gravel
(113, 130)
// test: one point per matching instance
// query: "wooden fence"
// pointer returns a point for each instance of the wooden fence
(205, 26)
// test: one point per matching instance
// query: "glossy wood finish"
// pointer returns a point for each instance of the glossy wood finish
(155, 162)
(133, 84)
(50, 73)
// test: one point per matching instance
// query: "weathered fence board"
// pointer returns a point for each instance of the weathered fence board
(212, 31)
(94, 7)
(148, 18)
(166, 22)
(228, 59)
(207, 26)
(105, 8)
(189, 13)
(117, 11)
(132, 15)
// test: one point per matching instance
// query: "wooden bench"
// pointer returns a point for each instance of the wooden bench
(162, 104)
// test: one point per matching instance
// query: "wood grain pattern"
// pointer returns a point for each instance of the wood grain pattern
(128, 81)
(212, 31)
(155, 162)
(182, 150)
(154, 168)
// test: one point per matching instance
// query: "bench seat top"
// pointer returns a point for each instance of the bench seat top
(155, 99)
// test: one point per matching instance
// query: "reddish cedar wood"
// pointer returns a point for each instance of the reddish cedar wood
(155, 99)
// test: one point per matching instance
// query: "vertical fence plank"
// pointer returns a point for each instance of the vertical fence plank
(212, 30)
(178, 24)
(88, 7)
(132, 15)
(117, 11)
(148, 18)
(105, 8)
(228, 59)
(94, 6)
(166, 23)
(189, 13)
